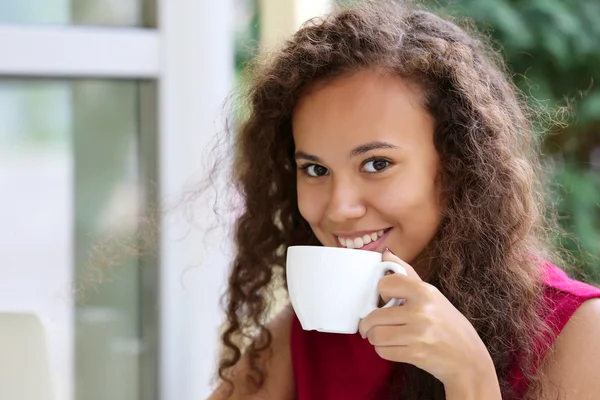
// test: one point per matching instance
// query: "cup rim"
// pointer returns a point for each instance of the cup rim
(331, 248)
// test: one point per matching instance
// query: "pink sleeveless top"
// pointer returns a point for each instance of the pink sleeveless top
(333, 366)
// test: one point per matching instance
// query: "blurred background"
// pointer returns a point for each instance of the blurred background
(107, 106)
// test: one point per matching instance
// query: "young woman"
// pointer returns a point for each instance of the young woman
(387, 127)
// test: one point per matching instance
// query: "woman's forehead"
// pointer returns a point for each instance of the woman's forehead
(360, 108)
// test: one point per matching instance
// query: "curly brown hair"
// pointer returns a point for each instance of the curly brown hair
(486, 255)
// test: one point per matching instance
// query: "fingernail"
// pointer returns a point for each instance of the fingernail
(388, 249)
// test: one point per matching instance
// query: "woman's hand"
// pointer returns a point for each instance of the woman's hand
(429, 333)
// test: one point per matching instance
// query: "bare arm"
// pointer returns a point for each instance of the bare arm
(279, 382)
(574, 366)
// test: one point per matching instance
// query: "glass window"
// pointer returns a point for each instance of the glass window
(72, 164)
(78, 12)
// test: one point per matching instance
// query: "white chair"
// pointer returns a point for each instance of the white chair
(24, 361)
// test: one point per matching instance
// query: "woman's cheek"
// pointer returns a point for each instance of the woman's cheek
(309, 205)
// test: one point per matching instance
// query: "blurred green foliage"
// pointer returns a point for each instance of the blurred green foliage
(552, 48)
(246, 33)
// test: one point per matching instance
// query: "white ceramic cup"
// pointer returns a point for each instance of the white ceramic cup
(332, 288)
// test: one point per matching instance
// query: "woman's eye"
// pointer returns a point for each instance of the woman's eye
(315, 171)
(374, 166)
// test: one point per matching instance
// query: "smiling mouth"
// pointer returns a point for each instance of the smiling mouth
(368, 241)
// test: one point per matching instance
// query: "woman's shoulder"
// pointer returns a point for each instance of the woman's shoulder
(575, 318)
(563, 296)
(572, 311)
(279, 379)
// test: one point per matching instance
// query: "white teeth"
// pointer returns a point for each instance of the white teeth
(358, 243)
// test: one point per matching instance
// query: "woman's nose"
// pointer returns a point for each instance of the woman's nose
(345, 201)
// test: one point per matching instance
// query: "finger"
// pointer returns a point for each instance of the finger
(383, 317)
(398, 286)
(403, 354)
(388, 255)
(383, 300)
(394, 335)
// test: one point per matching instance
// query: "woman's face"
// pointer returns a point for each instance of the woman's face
(367, 165)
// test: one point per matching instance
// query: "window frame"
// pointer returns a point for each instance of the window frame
(189, 92)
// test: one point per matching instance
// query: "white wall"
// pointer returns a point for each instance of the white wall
(197, 76)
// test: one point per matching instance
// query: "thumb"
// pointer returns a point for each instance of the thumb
(388, 255)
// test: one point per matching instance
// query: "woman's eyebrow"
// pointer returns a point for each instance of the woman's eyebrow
(364, 148)
(300, 155)
(360, 150)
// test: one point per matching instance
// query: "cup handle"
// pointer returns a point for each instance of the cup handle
(380, 270)
(397, 268)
